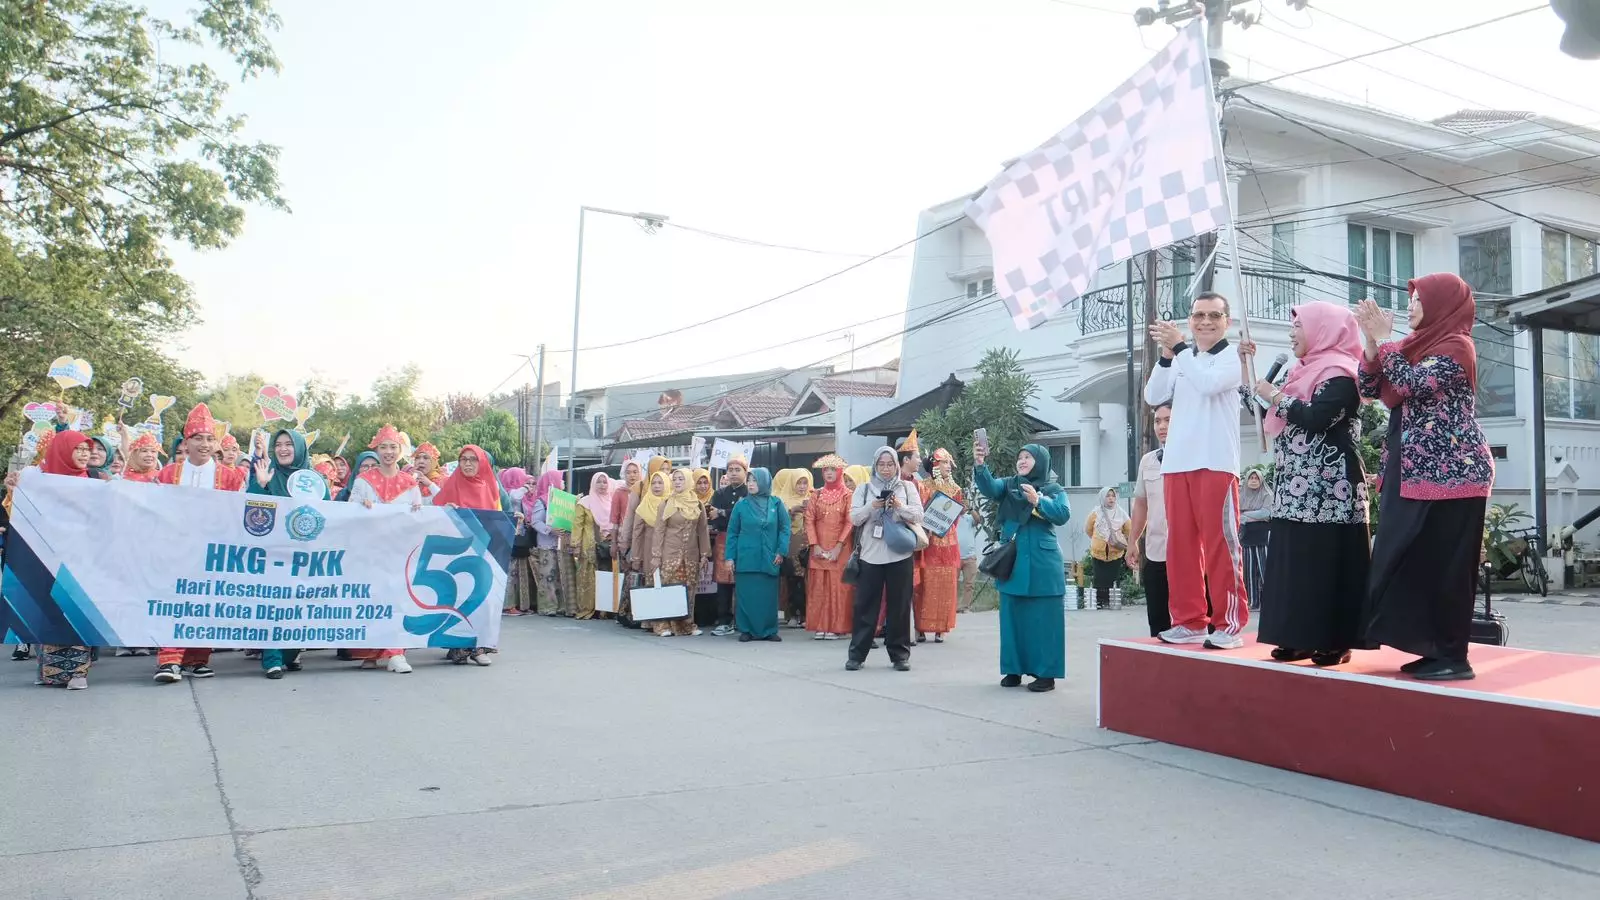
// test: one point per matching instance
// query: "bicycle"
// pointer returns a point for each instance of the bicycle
(1528, 558)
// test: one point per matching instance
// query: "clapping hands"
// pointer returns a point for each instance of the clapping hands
(1377, 325)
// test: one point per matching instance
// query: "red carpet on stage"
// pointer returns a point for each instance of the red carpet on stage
(1521, 742)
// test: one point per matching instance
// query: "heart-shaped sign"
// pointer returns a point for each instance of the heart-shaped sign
(70, 372)
(275, 403)
(40, 412)
(159, 403)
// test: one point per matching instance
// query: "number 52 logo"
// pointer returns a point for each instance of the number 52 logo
(448, 609)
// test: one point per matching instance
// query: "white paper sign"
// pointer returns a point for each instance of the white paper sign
(941, 513)
(607, 591)
(697, 452)
(643, 457)
(724, 450)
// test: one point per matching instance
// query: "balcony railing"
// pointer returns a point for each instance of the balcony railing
(1267, 295)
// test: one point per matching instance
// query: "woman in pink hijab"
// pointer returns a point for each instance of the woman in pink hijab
(599, 501)
(520, 580)
(1317, 547)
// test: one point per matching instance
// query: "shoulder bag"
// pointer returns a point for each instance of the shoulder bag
(999, 562)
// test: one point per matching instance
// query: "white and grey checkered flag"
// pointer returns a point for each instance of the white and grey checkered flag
(1136, 172)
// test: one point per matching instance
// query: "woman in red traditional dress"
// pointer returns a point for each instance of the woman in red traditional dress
(935, 602)
(829, 601)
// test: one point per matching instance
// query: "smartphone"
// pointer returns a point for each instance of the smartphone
(981, 436)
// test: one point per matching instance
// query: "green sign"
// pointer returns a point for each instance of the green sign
(563, 509)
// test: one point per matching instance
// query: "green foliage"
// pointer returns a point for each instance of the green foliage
(114, 139)
(233, 400)
(495, 431)
(998, 400)
(1500, 540)
(1374, 428)
(394, 401)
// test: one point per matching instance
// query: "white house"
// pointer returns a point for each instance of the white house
(1332, 201)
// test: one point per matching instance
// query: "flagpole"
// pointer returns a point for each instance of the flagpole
(1247, 363)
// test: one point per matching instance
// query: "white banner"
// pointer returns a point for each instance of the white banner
(123, 564)
(724, 450)
(697, 452)
(1137, 172)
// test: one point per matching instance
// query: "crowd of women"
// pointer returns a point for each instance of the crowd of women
(845, 555)
(842, 555)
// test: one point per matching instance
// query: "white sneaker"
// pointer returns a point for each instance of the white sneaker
(827, 636)
(1222, 640)
(696, 633)
(482, 659)
(820, 636)
(398, 664)
(77, 683)
(124, 651)
(1181, 634)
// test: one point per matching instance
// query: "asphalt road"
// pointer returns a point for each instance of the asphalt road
(590, 762)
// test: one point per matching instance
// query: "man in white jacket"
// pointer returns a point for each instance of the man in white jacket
(1200, 476)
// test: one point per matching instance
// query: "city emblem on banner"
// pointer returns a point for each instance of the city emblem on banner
(260, 516)
(305, 524)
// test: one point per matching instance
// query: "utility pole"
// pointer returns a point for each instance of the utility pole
(1131, 413)
(522, 424)
(538, 414)
(1152, 265)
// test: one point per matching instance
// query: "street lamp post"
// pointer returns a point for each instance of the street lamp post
(651, 223)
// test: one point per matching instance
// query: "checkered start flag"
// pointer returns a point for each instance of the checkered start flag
(1137, 172)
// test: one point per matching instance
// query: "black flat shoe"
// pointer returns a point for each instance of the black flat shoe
(1444, 670)
(851, 665)
(745, 637)
(293, 667)
(1330, 658)
(1040, 685)
(902, 666)
(1290, 654)
(1011, 681)
(922, 638)
(775, 638)
(1417, 663)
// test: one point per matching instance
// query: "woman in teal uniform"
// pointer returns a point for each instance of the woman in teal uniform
(758, 540)
(286, 455)
(1033, 634)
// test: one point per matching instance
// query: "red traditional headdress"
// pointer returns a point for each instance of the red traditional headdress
(386, 433)
(199, 421)
(427, 448)
(229, 442)
(145, 441)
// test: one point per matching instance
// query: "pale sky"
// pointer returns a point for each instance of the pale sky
(435, 159)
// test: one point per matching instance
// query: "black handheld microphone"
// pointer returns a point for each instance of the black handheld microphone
(1272, 376)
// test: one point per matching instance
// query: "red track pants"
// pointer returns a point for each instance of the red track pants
(1203, 549)
(183, 656)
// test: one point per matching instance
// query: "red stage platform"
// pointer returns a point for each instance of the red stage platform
(1518, 743)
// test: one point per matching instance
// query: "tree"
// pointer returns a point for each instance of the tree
(495, 431)
(997, 400)
(107, 148)
(233, 400)
(462, 408)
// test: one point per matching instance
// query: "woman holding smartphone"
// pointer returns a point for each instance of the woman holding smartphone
(1033, 636)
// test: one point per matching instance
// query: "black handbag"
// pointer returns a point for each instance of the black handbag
(999, 562)
(602, 554)
(852, 567)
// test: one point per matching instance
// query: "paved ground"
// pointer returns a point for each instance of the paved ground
(596, 763)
